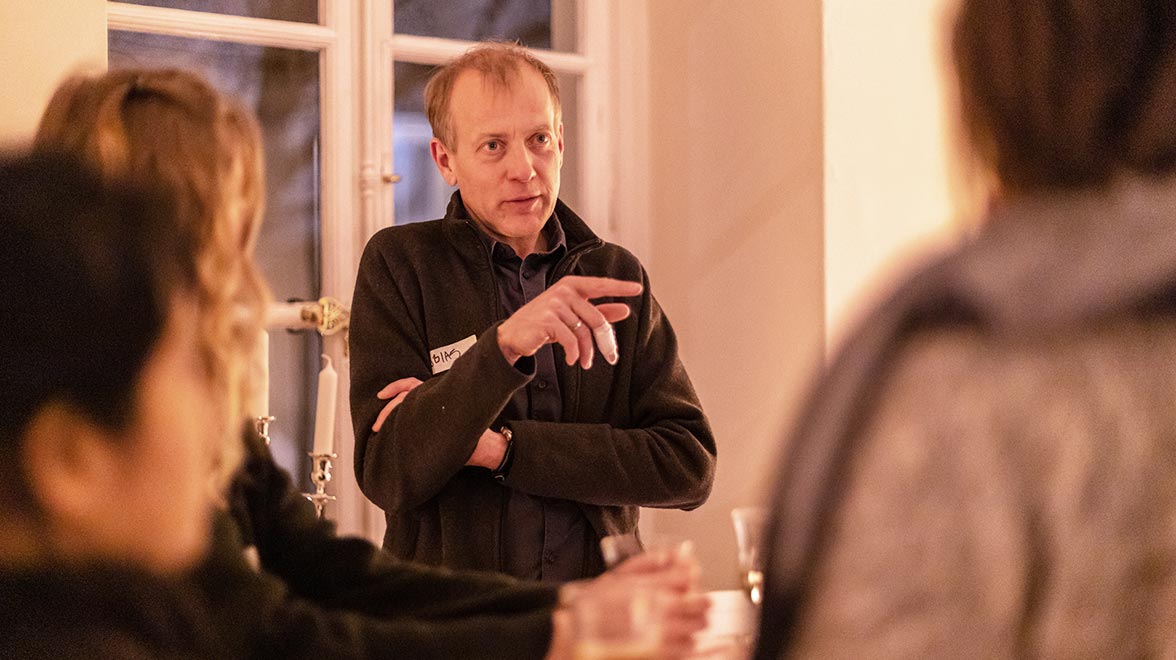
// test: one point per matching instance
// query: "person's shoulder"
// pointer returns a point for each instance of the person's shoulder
(405, 244)
(80, 641)
(104, 611)
(413, 232)
(614, 261)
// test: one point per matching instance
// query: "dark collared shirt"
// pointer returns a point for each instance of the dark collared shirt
(542, 538)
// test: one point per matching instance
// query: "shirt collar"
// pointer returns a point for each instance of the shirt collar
(552, 232)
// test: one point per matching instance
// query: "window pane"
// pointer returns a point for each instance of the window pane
(282, 88)
(422, 194)
(302, 11)
(546, 24)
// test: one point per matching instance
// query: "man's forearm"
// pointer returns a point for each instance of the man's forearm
(439, 428)
(666, 466)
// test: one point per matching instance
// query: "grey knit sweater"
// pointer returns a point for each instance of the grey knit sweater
(989, 467)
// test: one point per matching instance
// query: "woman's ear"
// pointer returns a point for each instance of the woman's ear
(70, 464)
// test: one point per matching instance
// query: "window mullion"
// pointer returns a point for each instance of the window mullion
(377, 105)
(436, 50)
(218, 27)
(595, 147)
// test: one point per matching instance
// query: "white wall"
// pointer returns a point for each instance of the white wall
(736, 259)
(887, 201)
(40, 42)
(798, 163)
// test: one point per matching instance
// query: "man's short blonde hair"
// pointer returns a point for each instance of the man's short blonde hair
(498, 63)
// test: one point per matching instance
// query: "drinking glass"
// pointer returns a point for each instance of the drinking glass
(749, 524)
(620, 622)
(619, 547)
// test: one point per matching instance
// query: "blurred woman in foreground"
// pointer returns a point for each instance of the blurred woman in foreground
(988, 468)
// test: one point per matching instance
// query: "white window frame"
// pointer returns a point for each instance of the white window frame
(357, 49)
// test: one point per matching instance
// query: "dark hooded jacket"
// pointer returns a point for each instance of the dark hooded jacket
(72, 613)
(317, 595)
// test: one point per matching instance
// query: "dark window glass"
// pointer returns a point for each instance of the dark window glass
(546, 24)
(421, 193)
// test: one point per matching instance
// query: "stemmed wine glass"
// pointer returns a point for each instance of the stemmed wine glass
(749, 524)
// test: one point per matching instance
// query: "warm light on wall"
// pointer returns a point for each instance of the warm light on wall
(890, 167)
(35, 63)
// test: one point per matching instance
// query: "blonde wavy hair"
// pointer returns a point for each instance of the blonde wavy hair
(173, 128)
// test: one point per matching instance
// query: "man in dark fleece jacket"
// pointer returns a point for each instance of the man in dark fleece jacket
(506, 445)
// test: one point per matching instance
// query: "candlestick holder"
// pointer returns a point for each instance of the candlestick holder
(262, 425)
(333, 316)
(320, 474)
(326, 315)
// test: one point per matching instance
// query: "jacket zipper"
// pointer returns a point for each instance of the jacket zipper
(570, 259)
(495, 316)
(497, 312)
(561, 269)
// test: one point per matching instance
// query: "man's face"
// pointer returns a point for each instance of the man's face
(506, 154)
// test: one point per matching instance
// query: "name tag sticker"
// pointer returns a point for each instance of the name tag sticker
(444, 356)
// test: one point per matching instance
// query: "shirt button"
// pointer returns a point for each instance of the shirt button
(527, 274)
(548, 558)
(541, 384)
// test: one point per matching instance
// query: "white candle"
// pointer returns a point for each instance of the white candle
(257, 403)
(324, 417)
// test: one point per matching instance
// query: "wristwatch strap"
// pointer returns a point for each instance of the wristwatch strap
(499, 473)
